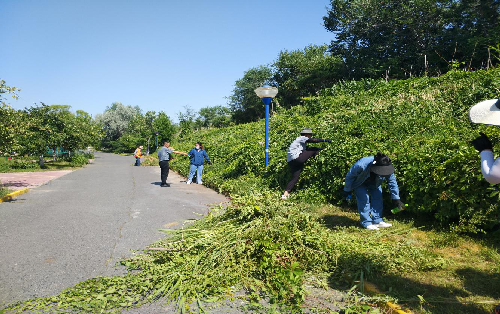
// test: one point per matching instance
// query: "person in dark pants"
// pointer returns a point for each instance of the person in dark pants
(298, 154)
(164, 157)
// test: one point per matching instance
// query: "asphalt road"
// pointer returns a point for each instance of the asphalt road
(78, 226)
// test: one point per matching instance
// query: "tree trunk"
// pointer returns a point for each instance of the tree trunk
(41, 161)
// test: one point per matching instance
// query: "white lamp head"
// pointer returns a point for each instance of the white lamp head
(266, 91)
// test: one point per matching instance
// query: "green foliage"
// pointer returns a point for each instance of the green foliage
(399, 36)
(267, 247)
(126, 128)
(217, 116)
(78, 160)
(304, 73)
(23, 164)
(244, 104)
(420, 123)
(9, 120)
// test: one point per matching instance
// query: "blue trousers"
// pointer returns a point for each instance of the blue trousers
(370, 210)
(199, 172)
(137, 161)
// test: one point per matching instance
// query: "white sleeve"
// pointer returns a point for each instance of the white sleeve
(489, 167)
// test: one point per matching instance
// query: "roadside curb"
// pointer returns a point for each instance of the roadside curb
(370, 288)
(10, 196)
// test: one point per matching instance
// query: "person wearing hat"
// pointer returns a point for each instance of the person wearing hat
(298, 154)
(138, 155)
(487, 112)
(365, 179)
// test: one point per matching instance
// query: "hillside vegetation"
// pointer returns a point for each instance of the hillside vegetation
(421, 123)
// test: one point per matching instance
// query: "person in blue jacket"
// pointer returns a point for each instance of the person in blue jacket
(365, 178)
(197, 156)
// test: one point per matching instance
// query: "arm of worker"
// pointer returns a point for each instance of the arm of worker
(179, 153)
(318, 140)
(205, 155)
(393, 187)
(351, 176)
(490, 167)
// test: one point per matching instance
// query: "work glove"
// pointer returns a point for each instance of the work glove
(398, 204)
(482, 142)
(327, 140)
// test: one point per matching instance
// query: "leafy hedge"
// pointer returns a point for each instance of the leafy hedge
(421, 123)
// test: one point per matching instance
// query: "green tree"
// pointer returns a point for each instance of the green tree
(216, 116)
(115, 121)
(164, 126)
(186, 120)
(244, 104)
(302, 73)
(401, 38)
(10, 123)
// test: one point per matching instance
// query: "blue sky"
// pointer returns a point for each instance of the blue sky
(159, 55)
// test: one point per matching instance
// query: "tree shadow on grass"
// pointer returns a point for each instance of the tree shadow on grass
(333, 221)
(439, 299)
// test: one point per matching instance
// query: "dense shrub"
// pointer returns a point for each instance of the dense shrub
(23, 164)
(420, 123)
(79, 160)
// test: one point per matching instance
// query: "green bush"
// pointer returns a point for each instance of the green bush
(23, 164)
(79, 160)
(421, 123)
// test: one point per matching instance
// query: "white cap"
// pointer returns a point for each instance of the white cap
(486, 112)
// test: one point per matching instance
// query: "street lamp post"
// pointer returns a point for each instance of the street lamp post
(267, 93)
(156, 140)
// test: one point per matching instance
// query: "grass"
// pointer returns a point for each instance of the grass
(49, 166)
(468, 282)
(4, 191)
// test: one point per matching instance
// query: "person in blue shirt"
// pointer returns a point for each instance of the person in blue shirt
(365, 178)
(197, 157)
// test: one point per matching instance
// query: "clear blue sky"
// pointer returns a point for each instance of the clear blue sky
(159, 55)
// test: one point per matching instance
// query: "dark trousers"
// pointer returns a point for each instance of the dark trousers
(165, 168)
(137, 161)
(297, 165)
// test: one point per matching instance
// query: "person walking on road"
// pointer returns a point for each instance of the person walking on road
(138, 155)
(365, 178)
(197, 157)
(164, 157)
(298, 154)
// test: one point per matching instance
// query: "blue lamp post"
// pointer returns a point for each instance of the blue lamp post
(267, 93)
(156, 140)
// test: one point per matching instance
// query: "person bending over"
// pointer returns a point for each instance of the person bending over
(298, 154)
(365, 178)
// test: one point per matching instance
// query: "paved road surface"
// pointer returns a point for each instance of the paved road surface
(76, 227)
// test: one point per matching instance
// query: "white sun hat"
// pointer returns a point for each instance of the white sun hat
(486, 112)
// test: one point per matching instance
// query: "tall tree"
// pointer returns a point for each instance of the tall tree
(244, 104)
(301, 73)
(377, 37)
(115, 121)
(216, 116)
(10, 123)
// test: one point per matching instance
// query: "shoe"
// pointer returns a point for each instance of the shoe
(284, 197)
(188, 182)
(383, 224)
(166, 185)
(372, 227)
(200, 182)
